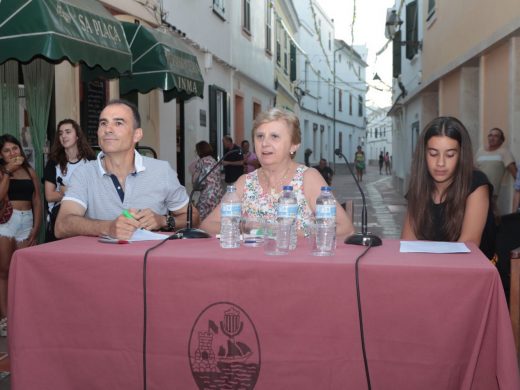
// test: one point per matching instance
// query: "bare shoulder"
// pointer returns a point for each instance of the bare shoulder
(311, 174)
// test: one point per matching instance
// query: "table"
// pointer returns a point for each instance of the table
(239, 317)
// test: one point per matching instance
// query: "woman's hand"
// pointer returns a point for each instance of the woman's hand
(63, 189)
(14, 164)
(29, 241)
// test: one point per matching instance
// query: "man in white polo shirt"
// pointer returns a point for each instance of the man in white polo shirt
(495, 159)
(121, 179)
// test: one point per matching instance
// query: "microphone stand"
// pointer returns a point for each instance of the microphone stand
(189, 231)
(363, 238)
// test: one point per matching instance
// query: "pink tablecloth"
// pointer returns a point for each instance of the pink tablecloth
(220, 318)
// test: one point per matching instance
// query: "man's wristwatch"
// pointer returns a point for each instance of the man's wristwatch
(170, 223)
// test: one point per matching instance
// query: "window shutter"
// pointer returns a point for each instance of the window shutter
(412, 36)
(397, 54)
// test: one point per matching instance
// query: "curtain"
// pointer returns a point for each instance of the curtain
(38, 78)
(9, 116)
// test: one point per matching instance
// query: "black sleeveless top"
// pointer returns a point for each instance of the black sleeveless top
(20, 189)
(487, 242)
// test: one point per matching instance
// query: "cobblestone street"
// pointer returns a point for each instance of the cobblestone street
(386, 208)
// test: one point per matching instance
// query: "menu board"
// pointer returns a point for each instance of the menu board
(94, 100)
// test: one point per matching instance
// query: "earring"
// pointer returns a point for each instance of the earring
(292, 153)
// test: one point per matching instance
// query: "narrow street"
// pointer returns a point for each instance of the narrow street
(385, 207)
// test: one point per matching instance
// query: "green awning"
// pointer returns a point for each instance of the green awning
(79, 30)
(160, 60)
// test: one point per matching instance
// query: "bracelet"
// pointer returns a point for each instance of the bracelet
(8, 172)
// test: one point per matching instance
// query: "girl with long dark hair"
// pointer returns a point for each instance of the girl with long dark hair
(448, 200)
(19, 182)
(69, 150)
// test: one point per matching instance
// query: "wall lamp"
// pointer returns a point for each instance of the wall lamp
(393, 25)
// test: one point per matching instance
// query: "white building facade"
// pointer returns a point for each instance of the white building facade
(230, 41)
(332, 87)
(379, 134)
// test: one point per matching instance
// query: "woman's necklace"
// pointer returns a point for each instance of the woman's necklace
(279, 183)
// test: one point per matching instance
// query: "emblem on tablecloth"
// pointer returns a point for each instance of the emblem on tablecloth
(224, 349)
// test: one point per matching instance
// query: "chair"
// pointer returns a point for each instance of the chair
(507, 239)
(514, 297)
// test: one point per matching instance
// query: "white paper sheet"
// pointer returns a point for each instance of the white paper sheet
(433, 247)
(139, 235)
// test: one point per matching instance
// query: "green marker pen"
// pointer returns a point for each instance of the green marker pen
(127, 214)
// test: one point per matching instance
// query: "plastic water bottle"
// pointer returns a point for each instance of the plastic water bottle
(325, 244)
(230, 212)
(287, 212)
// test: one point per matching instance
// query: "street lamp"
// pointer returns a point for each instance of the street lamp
(393, 24)
(342, 46)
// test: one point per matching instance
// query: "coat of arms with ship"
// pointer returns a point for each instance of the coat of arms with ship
(224, 348)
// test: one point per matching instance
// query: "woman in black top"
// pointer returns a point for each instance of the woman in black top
(19, 182)
(448, 200)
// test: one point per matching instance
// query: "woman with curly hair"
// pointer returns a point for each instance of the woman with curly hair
(69, 150)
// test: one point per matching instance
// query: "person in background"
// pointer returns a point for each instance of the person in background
(325, 171)
(70, 149)
(388, 169)
(21, 185)
(516, 196)
(307, 156)
(359, 162)
(234, 163)
(277, 137)
(381, 162)
(448, 199)
(250, 160)
(495, 159)
(211, 190)
(122, 191)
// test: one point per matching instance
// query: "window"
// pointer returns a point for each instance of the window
(219, 8)
(307, 64)
(246, 13)
(330, 41)
(268, 28)
(350, 104)
(376, 133)
(285, 52)
(292, 74)
(397, 54)
(340, 100)
(360, 105)
(278, 45)
(412, 30)
(431, 9)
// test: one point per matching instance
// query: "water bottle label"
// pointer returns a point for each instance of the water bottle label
(287, 210)
(325, 211)
(231, 209)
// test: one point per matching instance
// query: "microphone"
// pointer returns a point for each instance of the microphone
(189, 231)
(363, 238)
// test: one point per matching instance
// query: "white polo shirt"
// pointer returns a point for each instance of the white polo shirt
(154, 185)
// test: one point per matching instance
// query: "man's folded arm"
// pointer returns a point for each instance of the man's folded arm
(71, 221)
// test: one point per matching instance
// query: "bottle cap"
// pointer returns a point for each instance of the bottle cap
(326, 188)
(287, 188)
